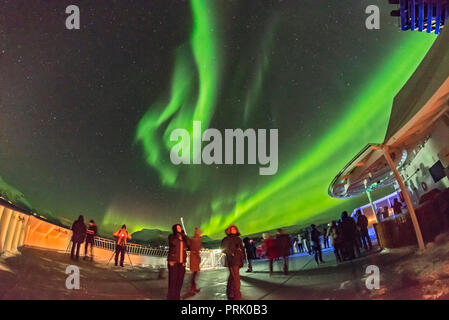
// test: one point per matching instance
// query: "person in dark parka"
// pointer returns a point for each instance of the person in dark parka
(316, 236)
(79, 233)
(362, 224)
(253, 246)
(349, 231)
(91, 233)
(249, 252)
(232, 246)
(177, 256)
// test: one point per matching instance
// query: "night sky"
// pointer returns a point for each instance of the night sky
(85, 114)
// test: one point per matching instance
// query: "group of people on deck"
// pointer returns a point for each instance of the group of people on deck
(83, 234)
(347, 237)
(276, 248)
(179, 244)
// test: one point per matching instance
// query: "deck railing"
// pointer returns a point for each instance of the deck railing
(131, 248)
(18, 228)
(210, 259)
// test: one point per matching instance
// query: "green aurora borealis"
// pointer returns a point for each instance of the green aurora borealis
(98, 106)
(300, 191)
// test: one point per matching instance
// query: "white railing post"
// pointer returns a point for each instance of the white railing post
(11, 229)
(17, 231)
(4, 223)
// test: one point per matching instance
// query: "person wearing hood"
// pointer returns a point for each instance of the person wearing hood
(79, 233)
(122, 236)
(232, 246)
(178, 244)
(195, 259)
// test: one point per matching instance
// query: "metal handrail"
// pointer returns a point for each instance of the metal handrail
(210, 259)
(132, 248)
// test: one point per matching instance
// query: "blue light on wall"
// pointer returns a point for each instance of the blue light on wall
(428, 15)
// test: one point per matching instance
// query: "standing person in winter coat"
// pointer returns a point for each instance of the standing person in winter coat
(362, 224)
(122, 236)
(336, 240)
(253, 247)
(315, 235)
(283, 246)
(79, 233)
(358, 235)
(90, 239)
(349, 231)
(232, 247)
(177, 256)
(397, 206)
(195, 259)
(249, 253)
(269, 247)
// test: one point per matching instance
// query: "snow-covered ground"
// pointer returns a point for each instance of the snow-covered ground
(419, 275)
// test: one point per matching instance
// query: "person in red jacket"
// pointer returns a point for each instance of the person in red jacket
(269, 247)
(283, 244)
(195, 259)
(122, 237)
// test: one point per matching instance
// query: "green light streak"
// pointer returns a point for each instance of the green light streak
(253, 94)
(182, 110)
(206, 58)
(301, 192)
(297, 193)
